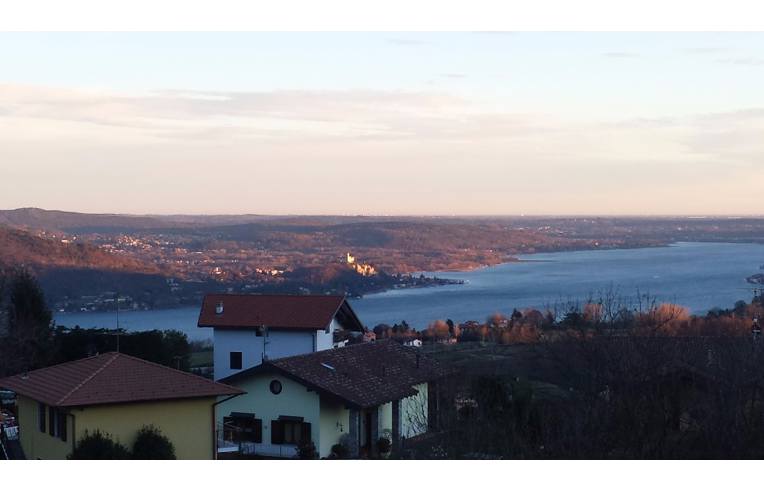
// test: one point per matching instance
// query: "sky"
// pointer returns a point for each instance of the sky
(471, 123)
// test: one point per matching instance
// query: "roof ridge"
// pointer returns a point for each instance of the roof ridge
(60, 364)
(354, 346)
(89, 378)
(162, 366)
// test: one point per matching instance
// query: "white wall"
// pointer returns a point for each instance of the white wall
(281, 343)
(236, 340)
(275, 344)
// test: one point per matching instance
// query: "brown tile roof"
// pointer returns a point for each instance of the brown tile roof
(111, 378)
(362, 375)
(299, 312)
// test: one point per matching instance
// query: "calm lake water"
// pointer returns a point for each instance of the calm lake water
(697, 275)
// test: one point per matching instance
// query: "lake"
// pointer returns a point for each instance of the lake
(697, 275)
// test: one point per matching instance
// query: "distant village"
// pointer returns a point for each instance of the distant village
(202, 271)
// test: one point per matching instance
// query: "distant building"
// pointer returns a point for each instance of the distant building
(251, 328)
(369, 336)
(116, 394)
(351, 395)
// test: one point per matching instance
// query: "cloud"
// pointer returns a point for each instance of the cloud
(387, 147)
(406, 41)
(621, 54)
(704, 50)
(350, 114)
(749, 61)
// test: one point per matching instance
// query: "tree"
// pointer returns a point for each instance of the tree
(27, 337)
(151, 444)
(99, 446)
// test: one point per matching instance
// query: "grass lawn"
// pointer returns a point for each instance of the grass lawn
(201, 359)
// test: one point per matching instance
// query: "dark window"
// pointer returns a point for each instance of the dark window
(276, 387)
(62, 426)
(235, 360)
(289, 432)
(51, 421)
(243, 428)
(41, 416)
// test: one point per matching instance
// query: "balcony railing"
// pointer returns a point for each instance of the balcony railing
(231, 439)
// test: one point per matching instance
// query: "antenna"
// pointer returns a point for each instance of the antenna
(117, 302)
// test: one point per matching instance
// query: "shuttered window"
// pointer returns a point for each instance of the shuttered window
(61, 428)
(243, 428)
(41, 416)
(290, 432)
(51, 421)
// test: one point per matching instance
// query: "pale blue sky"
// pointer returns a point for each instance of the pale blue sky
(409, 122)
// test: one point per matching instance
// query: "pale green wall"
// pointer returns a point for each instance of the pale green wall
(414, 412)
(331, 415)
(294, 400)
(386, 418)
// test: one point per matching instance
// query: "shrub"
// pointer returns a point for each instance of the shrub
(307, 451)
(339, 452)
(151, 444)
(383, 445)
(99, 446)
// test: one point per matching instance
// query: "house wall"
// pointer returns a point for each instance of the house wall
(36, 444)
(274, 345)
(335, 419)
(245, 341)
(414, 412)
(294, 400)
(186, 423)
(386, 419)
(282, 343)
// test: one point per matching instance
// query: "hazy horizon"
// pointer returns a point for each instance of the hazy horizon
(383, 124)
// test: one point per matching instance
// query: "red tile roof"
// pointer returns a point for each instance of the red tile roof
(297, 312)
(111, 378)
(362, 375)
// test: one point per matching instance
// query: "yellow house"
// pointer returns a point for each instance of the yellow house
(116, 394)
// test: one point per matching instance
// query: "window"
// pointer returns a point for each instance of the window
(61, 426)
(51, 421)
(289, 432)
(56, 421)
(41, 416)
(243, 427)
(235, 360)
(276, 387)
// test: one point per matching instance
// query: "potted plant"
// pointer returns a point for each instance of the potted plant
(384, 446)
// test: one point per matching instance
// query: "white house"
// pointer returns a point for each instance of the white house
(252, 328)
(351, 395)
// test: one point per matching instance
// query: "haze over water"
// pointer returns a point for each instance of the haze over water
(697, 275)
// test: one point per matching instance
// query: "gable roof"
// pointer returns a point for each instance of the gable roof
(296, 312)
(111, 378)
(362, 375)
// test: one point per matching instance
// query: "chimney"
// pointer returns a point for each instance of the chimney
(219, 308)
